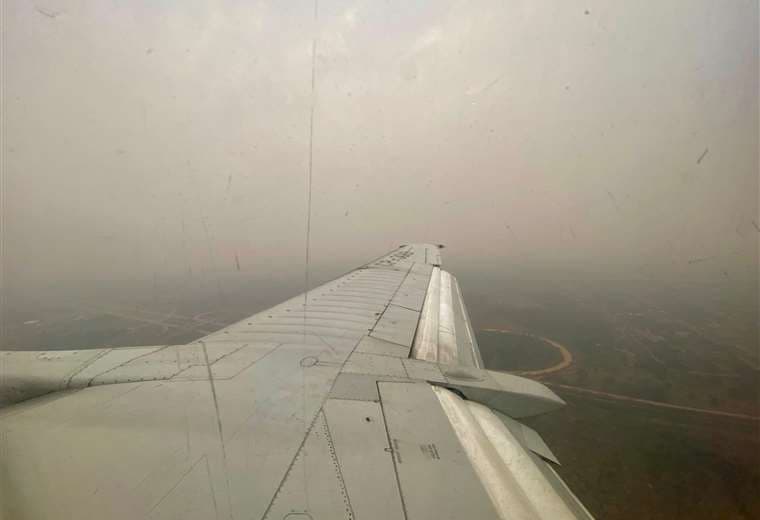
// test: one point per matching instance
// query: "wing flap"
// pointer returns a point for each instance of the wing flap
(361, 445)
(519, 484)
(445, 334)
(435, 476)
(311, 409)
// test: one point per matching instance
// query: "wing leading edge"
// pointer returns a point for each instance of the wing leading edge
(365, 398)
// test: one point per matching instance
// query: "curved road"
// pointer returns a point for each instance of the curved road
(567, 357)
(567, 360)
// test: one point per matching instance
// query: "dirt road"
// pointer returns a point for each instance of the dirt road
(567, 360)
(567, 357)
(618, 397)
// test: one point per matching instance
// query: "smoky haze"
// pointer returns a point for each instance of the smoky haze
(617, 139)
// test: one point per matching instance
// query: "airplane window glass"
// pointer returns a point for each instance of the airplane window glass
(174, 171)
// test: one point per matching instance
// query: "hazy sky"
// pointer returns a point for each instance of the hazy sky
(169, 136)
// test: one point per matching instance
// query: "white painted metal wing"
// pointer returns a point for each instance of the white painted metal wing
(364, 399)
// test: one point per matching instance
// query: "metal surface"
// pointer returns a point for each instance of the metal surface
(468, 352)
(372, 345)
(522, 466)
(508, 499)
(426, 340)
(436, 477)
(423, 370)
(512, 395)
(411, 294)
(362, 363)
(517, 487)
(529, 438)
(444, 334)
(397, 325)
(360, 387)
(447, 333)
(314, 484)
(229, 366)
(110, 360)
(23, 377)
(366, 461)
(311, 409)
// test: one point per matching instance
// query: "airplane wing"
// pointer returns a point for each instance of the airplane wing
(366, 398)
